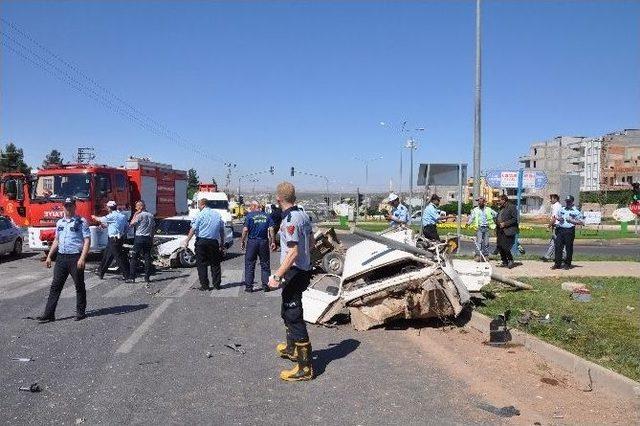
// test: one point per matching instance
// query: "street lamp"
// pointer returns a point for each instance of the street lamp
(411, 145)
(403, 129)
(366, 162)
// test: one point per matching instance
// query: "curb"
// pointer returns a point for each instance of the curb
(589, 374)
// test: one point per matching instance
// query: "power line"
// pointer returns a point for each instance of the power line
(73, 76)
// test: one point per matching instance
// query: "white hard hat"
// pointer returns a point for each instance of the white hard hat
(392, 197)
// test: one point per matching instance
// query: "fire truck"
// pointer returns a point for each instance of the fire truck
(162, 188)
(14, 197)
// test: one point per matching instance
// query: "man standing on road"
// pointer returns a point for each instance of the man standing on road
(255, 240)
(208, 228)
(431, 216)
(399, 213)
(294, 273)
(72, 242)
(482, 218)
(144, 224)
(568, 217)
(506, 230)
(554, 199)
(116, 224)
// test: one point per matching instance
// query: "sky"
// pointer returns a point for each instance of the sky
(307, 84)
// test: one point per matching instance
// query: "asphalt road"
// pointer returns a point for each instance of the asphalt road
(141, 357)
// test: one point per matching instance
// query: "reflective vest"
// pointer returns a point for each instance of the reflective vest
(476, 217)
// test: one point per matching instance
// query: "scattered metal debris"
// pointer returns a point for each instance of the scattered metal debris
(22, 359)
(33, 388)
(236, 347)
(546, 319)
(508, 411)
(499, 333)
(209, 354)
(80, 420)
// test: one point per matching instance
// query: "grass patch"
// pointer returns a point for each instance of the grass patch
(602, 331)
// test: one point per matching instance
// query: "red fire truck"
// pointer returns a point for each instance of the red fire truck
(14, 197)
(163, 189)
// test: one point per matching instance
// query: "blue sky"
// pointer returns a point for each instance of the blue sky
(306, 84)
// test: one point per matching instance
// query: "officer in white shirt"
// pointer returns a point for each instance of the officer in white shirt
(554, 199)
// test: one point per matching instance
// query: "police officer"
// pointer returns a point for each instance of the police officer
(144, 224)
(567, 219)
(399, 212)
(430, 218)
(255, 240)
(116, 223)
(208, 228)
(71, 242)
(294, 273)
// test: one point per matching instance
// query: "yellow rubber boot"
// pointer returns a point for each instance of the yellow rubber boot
(303, 370)
(287, 350)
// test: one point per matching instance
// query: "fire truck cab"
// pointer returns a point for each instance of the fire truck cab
(162, 188)
(14, 197)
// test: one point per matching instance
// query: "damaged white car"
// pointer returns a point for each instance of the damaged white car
(386, 277)
(170, 233)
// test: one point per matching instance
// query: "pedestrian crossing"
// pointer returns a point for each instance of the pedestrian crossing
(167, 284)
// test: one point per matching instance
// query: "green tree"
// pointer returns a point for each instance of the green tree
(192, 182)
(12, 159)
(53, 158)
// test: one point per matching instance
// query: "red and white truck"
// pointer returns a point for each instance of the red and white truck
(162, 188)
(14, 197)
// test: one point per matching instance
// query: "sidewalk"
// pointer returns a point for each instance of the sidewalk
(532, 268)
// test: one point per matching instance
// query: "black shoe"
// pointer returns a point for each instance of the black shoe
(43, 319)
(147, 280)
(248, 289)
(566, 267)
(510, 265)
(203, 289)
(215, 287)
(266, 288)
(80, 317)
(99, 274)
(555, 267)
(544, 259)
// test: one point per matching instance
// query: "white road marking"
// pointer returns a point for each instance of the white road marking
(25, 289)
(143, 328)
(178, 287)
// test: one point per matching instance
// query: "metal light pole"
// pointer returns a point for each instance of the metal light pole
(411, 146)
(366, 162)
(476, 133)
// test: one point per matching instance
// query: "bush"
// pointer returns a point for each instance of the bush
(621, 197)
(452, 208)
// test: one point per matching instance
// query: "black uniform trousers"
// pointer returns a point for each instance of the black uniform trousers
(430, 232)
(114, 251)
(564, 241)
(66, 264)
(257, 248)
(296, 281)
(505, 243)
(208, 255)
(142, 245)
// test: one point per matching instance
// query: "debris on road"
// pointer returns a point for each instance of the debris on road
(208, 354)
(33, 388)
(148, 362)
(581, 295)
(236, 347)
(630, 308)
(508, 411)
(550, 381)
(22, 359)
(546, 319)
(80, 420)
(499, 333)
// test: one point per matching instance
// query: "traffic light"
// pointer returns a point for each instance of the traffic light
(360, 198)
(293, 171)
(271, 169)
(327, 200)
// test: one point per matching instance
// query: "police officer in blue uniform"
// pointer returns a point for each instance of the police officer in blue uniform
(255, 240)
(566, 220)
(294, 273)
(72, 242)
(399, 214)
(208, 227)
(117, 225)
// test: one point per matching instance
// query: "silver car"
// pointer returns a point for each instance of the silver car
(10, 237)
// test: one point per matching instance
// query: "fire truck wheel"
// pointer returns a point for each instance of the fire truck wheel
(17, 247)
(333, 263)
(187, 259)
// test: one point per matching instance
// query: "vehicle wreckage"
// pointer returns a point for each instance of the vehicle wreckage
(395, 275)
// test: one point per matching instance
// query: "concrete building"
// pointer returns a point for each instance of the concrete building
(620, 159)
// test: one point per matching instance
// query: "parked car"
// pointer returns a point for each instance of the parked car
(170, 233)
(10, 237)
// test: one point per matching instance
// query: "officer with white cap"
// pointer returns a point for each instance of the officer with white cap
(117, 225)
(399, 214)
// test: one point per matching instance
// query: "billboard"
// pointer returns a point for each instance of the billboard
(509, 179)
(440, 174)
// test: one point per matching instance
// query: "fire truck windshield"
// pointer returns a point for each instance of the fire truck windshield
(53, 187)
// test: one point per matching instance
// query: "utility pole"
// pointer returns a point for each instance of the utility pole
(477, 146)
(412, 146)
(229, 166)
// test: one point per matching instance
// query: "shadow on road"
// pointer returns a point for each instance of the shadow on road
(335, 351)
(13, 258)
(117, 310)
(172, 277)
(231, 285)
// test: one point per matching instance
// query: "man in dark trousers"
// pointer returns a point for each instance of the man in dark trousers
(506, 230)
(567, 219)
(116, 223)
(255, 240)
(145, 225)
(72, 242)
(208, 227)
(294, 273)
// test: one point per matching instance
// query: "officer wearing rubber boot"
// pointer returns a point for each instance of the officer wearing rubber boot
(208, 228)
(71, 242)
(256, 234)
(296, 240)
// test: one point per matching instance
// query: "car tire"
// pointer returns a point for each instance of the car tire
(333, 263)
(17, 247)
(187, 258)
